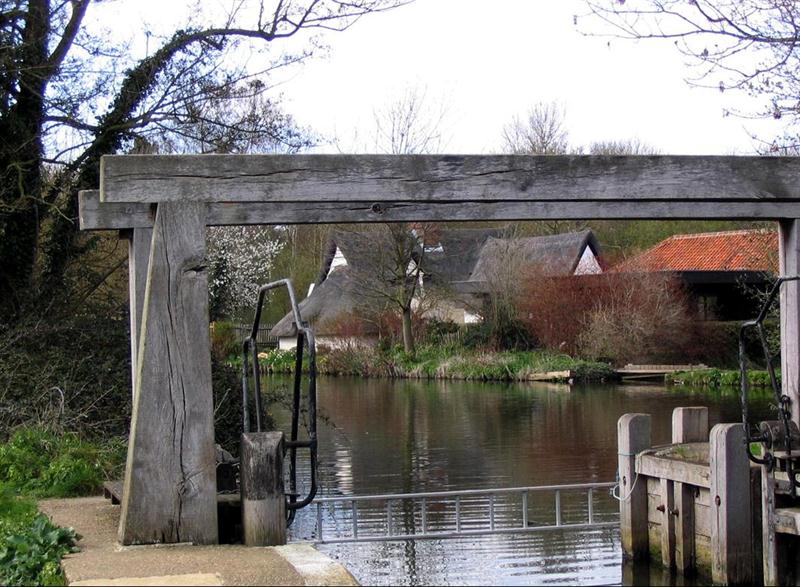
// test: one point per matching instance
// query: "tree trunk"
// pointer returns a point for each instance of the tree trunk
(408, 334)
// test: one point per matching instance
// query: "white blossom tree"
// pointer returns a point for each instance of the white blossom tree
(240, 259)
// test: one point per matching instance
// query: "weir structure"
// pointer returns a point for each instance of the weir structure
(163, 203)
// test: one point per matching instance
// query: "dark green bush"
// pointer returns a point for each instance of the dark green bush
(30, 546)
(435, 331)
(477, 335)
(31, 556)
(66, 373)
(224, 342)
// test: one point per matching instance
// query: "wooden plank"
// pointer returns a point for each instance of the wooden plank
(787, 521)
(674, 470)
(731, 540)
(138, 262)
(551, 376)
(689, 425)
(113, 490)
(755, 523)
(684, 527)
(653, 501)
(653, 541)
(94, 215)
(119, 215)
(170, 477)
(703, 497)
(376, 178)
(633, 436)
(667, 524)
(702, 551)
(263, 499)
(769, 541)
(789, 238)
(702, 520)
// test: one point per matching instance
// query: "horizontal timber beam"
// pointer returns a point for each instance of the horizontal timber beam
(96, 215)
(446, 178)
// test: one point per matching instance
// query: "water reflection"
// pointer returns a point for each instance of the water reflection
(411, 435)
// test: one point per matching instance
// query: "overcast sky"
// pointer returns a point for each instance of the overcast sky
(490, 60)
(487, 61)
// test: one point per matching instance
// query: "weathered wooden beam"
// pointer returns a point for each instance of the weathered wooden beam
(96, 215)
(263, 499)
(688, 425)
(170, 477)
(633, 436)
(769, 539)
(789, 249)
(138, 262)
(731, 519)
(455, 178)
(674, 470)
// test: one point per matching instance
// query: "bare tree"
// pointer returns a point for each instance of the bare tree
(633, 146)
(390, 267)
(412, 123)
(387, 272)
(747, 45)
(542, 131)
(69, 94)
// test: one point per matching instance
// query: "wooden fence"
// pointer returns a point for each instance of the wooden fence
(263, 339)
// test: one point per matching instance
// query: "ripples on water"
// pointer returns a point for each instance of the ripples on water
(409, 436)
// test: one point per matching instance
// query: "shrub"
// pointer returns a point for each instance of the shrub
(66, 373)
(615, 317)
(436, 331)
(224, 342)
(30, 546)
(350, 359)
(477, 336)
(31, 556)
(227, 386)
(646, 317)
(280, 361)
(40, 462)
(720, 378)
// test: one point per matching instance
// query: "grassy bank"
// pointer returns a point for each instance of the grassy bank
(718, 378)
(39, 463)
(436, 362)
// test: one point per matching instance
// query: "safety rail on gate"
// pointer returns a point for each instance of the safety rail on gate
(485, 526)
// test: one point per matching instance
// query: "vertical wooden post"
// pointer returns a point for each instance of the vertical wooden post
(263, 500)
(170, 477)
(138, 260)
(790, 313)
(769, 545)
(731, 503)
(688, 425)
(667, 524)
(633, 436)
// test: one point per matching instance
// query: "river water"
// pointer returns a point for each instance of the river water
(394, 436)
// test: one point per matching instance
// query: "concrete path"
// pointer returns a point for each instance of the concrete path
(102, 561)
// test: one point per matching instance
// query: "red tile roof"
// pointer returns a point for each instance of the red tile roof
(739, 250)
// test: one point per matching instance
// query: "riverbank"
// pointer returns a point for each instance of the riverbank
(34, 463)
(719, 378)
(432, 362)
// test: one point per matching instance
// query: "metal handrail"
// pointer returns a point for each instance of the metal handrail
(305, 340)
(781, 399)
(460, 531)
(466, 492)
